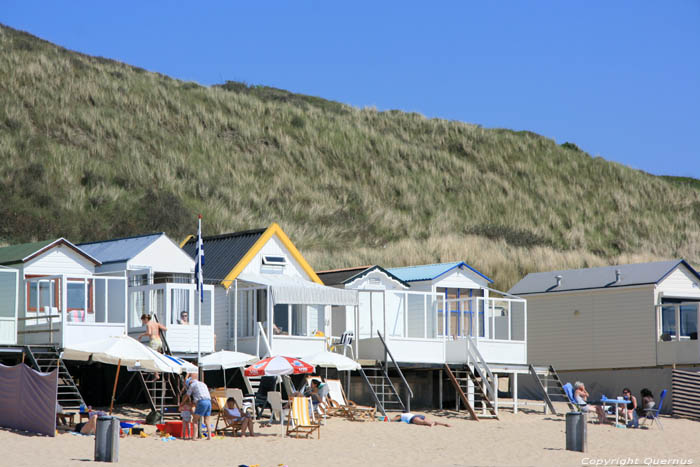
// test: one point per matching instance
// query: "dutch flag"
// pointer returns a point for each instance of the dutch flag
(200, 261)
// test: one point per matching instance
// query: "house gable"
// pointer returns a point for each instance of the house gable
(681, 282)
(59, 259)
(163, 255)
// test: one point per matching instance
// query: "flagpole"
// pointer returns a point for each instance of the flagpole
(200, 286)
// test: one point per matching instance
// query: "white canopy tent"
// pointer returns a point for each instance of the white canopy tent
(225, 359)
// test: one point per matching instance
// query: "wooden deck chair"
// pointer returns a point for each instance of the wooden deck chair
(228, 424)
(300, 420)
(340, 405)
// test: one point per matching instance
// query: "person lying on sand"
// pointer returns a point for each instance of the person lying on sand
(89, 427)
(409, 417)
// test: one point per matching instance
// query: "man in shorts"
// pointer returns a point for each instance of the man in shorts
(153, 329)
(199, 392)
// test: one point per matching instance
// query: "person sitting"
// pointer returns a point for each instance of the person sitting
(648, 402)
(581, 397)
(89, 427)
(629, 411)
(410, 418)
(184, 318)
(319, 392)
(233, 414)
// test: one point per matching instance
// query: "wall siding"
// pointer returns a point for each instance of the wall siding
(59, 260)
(222, 302)
(613, 328)
(163, 256)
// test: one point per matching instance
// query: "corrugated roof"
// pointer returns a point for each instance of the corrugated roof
(596, 278)
(345, 276)
(223, 252)
(119, 249)
(14, 254)
(428, 272)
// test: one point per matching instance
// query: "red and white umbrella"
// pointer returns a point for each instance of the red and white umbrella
(278, 366)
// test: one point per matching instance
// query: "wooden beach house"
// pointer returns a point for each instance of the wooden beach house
(268, 299)
(615, 326)
(160, 283)
(434, 321)
(60, 298)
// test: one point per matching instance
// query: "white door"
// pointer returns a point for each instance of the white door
(9, 290)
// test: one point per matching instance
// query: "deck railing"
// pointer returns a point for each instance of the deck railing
(475, 358)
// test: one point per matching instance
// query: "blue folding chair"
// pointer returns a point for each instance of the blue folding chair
(653, 413)
(569, 390)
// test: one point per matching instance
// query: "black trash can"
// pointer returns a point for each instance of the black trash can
(576, 434)
(107, 439)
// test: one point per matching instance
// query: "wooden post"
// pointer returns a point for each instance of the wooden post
(515, 392)
(114, 390)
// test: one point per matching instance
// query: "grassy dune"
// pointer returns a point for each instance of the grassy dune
(91, 148)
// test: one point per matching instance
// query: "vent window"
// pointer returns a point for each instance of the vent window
(274, 260)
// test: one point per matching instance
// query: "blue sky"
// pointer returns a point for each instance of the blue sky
(620, 79)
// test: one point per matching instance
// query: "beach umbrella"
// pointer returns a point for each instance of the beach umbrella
(225, 359)
(278, 366)
(167, 364)
(327, 359)
(118, 350)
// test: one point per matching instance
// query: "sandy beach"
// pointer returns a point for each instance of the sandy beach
(516, 439)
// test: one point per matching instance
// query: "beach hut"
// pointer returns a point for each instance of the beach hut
(161, 283)
(428, 317)
(615, 326)
(60, 298)
(268, 299)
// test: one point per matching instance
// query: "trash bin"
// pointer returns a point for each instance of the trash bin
(107, 439)
(576, 435)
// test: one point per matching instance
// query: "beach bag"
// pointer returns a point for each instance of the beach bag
(153, 418)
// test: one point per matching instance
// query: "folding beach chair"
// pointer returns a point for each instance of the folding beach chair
(300, 420)
(340, 405)
(274, 398)
(267, 384)
(653, 413)
(228, 424)
(241, 401)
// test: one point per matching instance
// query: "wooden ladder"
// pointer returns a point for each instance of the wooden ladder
(480, 392)
(553, 392)
(457, 383)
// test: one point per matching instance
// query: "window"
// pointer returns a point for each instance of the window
(274, 260)
(668, 321)
(689, 320)
(180, 307)
(47, 294)
(281, 319)
(76, 295)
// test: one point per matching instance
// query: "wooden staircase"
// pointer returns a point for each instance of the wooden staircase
(461, 385)
(551, 388)
(46, 358)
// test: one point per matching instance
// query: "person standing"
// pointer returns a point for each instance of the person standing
(199, 392)
(153, 329)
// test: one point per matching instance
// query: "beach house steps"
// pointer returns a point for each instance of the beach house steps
(550, 386)
(46, 358)
(385, 395)
(460, 382)
(470, 382)
(162, 392)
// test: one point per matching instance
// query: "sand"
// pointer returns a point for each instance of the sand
(529, 438)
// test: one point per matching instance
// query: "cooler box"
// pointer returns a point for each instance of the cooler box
(174, 428)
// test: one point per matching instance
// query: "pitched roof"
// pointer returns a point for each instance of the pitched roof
(119, 249)
(428, 272)
(14, 254)
(347, 275)
(223, 252)
(596, 278)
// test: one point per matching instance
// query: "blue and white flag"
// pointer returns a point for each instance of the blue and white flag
(199, 276)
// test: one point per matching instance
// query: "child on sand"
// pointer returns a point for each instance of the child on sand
(410, 418)
(186, 415)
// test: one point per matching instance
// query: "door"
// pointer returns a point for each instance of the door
(9, 289)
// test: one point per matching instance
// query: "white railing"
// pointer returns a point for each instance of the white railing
(491, 318)
(475, 358)
(261, 333)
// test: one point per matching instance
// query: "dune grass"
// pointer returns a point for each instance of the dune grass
(91, 149)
